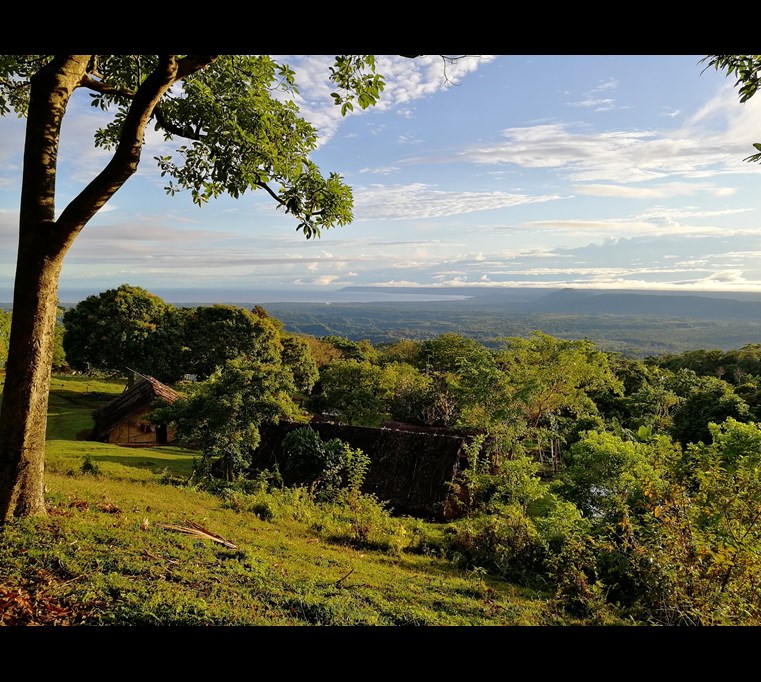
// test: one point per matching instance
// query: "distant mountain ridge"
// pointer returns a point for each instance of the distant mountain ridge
(691, 306)
(708, 305)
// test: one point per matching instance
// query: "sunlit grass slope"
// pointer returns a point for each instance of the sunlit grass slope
(130, 541)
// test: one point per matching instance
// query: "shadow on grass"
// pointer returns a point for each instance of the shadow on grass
(178, 464)
(177, 461)
(87, 399)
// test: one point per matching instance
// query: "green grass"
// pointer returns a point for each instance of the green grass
(120, 546)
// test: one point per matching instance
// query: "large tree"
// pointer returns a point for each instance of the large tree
(222, 415)
(218, 333)
(116, 331)
(240, 137)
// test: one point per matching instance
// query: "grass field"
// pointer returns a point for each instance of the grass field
(130, 540)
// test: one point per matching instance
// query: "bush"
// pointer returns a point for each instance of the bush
(363, 521)
(325, 467)
(89, 467)
(504, 542)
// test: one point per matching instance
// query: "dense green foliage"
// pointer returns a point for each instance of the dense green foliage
(622, 489)
(117, 330)
(128, 328)
(645, 512)
(297, 356)
(326, 467)
(222, 415)
(218, 333)
(732, 365)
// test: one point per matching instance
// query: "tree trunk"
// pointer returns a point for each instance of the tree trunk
(43, 243)
(23, 418)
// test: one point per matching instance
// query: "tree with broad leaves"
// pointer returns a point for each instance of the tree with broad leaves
(222, 415)
(116, 331)
(217, 333)
(239, 137)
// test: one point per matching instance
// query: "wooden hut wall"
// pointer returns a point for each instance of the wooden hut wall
(138, 432)
(121, 420)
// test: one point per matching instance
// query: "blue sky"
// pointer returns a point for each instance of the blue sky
(589, 171)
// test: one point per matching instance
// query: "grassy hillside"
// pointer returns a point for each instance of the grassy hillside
(131, 541)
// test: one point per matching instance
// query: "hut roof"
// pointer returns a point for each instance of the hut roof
(142, 394)
(411, 468)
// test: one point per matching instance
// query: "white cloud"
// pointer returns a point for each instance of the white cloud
(418, 200)
(597, 104)
(655, 225)
(325, 280)
(711, 142)
(380, 170)
(662, 190)
(610, 84)
(406, 81)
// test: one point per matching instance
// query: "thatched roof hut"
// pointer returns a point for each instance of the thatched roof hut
(122, 421)
(411, 467)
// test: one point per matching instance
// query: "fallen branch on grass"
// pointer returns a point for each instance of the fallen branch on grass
(194, 529)
(340, 580)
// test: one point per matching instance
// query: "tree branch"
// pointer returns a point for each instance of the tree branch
(266, 188)
(188, 132)
(126, 158)
(105, 88)
(185, 67)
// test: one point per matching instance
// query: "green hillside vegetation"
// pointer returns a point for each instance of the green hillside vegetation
(599, 489)
(633, 335)
(125, 545)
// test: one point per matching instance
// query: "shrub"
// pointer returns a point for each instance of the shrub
(363, 521)
(325, 467)
(89, 466)
(504, 542)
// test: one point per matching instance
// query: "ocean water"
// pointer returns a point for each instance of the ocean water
(251, 297)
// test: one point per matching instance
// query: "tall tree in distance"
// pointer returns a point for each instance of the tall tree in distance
(221, 332)
(240, 137)
(114, 331)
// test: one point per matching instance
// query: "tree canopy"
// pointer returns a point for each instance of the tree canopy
(222, 415)
(218, 333)
(115, 330)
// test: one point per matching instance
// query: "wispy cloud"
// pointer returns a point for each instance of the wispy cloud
(711, 142)
(596, 104)
(418, 200)
(660, 191)
(407, 80)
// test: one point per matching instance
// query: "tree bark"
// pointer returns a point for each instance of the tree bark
(23, 419)
(23, 416)
(43, 243)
